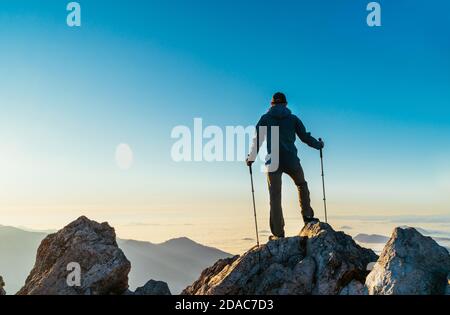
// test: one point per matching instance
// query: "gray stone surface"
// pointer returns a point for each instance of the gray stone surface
(318, 261)
(104, 267)
(410, 264)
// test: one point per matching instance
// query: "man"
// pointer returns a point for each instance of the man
(288, 126)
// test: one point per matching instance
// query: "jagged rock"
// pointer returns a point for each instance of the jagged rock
(206, 277)
(2, 285)
(338, 258)
(354, 288)
(153, 288)
(303, 278)
(410, 264)
(104, 267)
(319, 261)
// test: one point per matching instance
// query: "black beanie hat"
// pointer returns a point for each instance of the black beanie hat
(279, 99)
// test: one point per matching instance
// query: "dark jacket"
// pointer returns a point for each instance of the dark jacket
(289, 126)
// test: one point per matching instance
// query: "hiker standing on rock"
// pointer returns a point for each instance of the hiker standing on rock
(289, 126)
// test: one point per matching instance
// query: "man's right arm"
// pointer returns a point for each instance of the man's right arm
(258, 140)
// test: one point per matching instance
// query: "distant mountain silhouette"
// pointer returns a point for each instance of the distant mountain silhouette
(178, 261)
(18, 253)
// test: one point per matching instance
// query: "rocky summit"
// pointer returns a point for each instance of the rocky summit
(90, 245)
(410, 264)
(318, 261)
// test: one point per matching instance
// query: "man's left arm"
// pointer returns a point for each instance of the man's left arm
(306, 136)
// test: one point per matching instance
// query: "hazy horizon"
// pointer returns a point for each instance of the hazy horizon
(242, 238)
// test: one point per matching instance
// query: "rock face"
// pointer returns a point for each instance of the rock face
(318, 261)
(339, 260)
(354, 288)
(153, 288)
(2, 285)
(104, 267)
(410, 264)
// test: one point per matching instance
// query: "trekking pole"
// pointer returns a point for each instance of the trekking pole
(254, 206)
(323, 184)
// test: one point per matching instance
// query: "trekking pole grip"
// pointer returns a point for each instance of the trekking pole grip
(321, 152)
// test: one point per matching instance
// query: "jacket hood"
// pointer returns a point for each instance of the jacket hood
(279, 111)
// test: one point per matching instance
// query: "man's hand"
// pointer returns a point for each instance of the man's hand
(248, 161)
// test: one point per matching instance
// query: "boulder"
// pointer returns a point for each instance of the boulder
(339, 260)
(2, 285)
(318, 261)
(153, 287)
(90, 245)
(410, 264)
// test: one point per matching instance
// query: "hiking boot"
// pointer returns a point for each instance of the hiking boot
(275, 238)
(308, 220)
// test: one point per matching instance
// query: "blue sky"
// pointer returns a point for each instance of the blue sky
(135, 69)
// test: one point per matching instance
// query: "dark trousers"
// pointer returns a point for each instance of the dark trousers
(276, 211)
